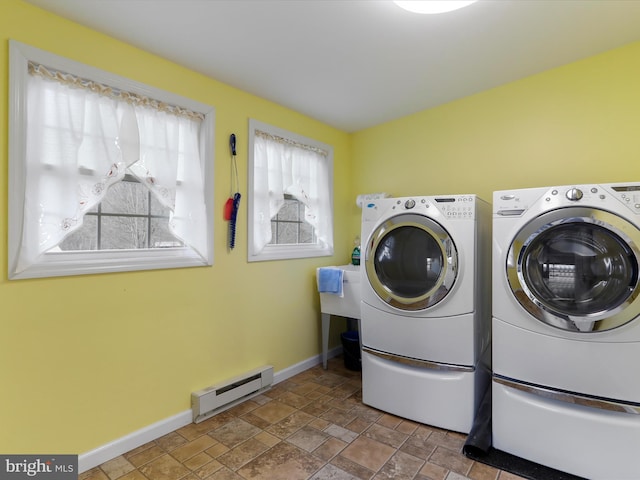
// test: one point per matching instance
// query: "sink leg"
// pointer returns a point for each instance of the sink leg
(326, 322)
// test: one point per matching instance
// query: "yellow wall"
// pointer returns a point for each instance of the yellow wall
(86, 360)
(576, 124)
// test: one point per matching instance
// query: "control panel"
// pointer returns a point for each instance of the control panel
(595, 195)
(629, 195)
(452, 207)
(516, 203)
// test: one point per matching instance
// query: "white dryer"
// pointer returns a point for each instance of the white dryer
(425, 314)
(566, 328)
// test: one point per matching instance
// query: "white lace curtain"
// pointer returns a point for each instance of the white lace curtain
(82, 139)
(282, 167)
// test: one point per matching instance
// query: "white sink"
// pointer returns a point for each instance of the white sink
(348, 305)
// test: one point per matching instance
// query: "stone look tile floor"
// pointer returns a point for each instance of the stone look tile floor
(312, 426)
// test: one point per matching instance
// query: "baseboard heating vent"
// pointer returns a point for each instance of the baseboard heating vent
(209, 401)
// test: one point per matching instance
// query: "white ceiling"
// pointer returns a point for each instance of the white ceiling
(358, 63)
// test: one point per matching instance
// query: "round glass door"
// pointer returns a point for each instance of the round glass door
(577, 269)
(411, 262)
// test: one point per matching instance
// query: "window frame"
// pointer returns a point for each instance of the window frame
(52, 264)
(284, 251)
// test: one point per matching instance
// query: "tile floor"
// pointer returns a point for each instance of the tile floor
(311, 426)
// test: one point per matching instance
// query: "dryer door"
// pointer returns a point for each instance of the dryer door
(577, 269)
(411, 262)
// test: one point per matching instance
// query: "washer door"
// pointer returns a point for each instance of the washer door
(411, 262)
(577, 269)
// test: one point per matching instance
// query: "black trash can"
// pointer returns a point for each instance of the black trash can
(351, 350)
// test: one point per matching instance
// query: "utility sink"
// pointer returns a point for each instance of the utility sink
(348, 305)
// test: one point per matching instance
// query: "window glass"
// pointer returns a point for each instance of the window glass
(289, 226)
(128, 196)
(129, 217)
(409, 261)
(579, 269)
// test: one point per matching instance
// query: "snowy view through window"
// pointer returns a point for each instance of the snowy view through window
(289, 225)
(129, 217)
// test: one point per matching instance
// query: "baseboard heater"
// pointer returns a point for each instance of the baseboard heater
(209, 401)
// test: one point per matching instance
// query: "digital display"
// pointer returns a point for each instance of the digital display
(445, 200)
(630, 188)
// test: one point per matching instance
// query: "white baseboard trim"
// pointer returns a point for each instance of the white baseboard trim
(88, 460)
(304, 365)
(98, 456)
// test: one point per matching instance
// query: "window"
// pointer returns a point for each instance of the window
(290, 195)
(106, 174)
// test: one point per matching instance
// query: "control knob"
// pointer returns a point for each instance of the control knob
(409, 204)
(574, 194)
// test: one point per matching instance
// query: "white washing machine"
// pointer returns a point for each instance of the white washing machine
(566, 328)
(425, 314)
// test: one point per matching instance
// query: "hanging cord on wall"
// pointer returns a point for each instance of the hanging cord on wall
(233, 203)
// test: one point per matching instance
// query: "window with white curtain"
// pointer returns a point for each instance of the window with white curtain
(290, 195)
(106, 174)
